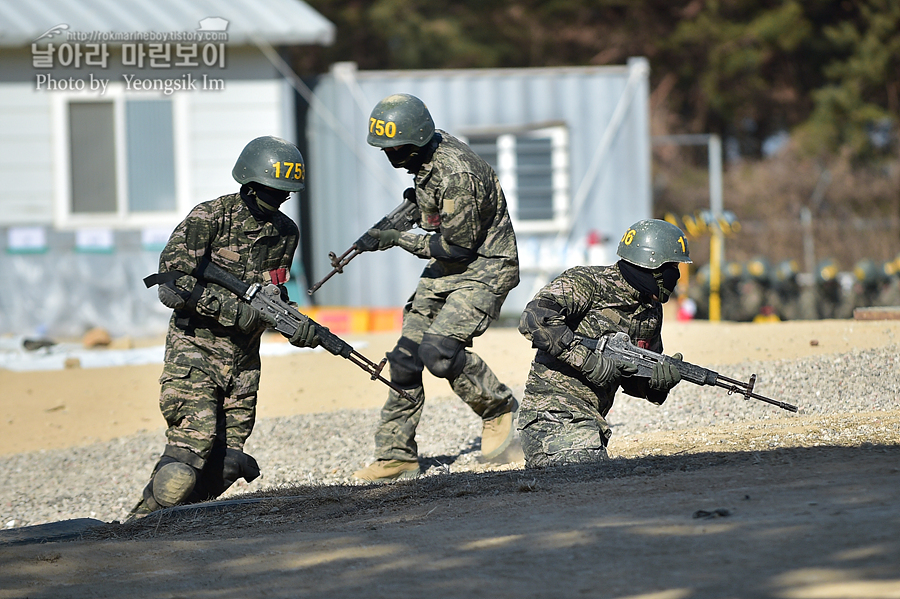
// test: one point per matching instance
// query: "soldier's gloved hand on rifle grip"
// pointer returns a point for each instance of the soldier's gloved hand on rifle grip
(305, 335)
(249, 319)
(386, 239)
(409, 194)
(171, 296)
(603, 371)
(665, 375)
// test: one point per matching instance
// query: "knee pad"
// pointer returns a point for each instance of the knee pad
(173, 483)
(443, 356)
(406, 366)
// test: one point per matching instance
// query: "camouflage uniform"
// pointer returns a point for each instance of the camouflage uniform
(211, 374)
(473, 264)
(563, 416)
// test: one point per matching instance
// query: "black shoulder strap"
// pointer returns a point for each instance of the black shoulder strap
(161, 278)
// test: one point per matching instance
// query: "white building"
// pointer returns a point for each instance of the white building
(115, 120)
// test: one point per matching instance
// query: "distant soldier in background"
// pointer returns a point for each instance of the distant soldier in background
(828, 290)
(784, 290)
(868, 281)
(473, 263)
(699, 292)
(729, 291)
(570, 388)
(212, 367)
(890, 293)
(753, 290)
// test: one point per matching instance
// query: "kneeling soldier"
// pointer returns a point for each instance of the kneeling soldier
(570, 388)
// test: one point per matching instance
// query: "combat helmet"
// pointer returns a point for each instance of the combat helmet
(784, 275)
(758, 269)
(826, 271)
(652, 243)
(398, 120)
(273, 162)
(868, 273)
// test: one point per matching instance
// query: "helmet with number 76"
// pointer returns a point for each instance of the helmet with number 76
(273, 162)
(652, 243)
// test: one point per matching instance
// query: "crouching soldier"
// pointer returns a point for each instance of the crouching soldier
(570, 388)
(212, 366)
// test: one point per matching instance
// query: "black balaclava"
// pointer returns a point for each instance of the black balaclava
(412, 157)
(263, 201)
(266, 199)
(659, 282)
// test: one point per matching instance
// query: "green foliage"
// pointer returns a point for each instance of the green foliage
(863, 81)
(828, 69)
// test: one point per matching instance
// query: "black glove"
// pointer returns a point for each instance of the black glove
(603, 371)
(249, 319)
(171, 296)
(305, 335)
(409, 194)
(386, 239)
(665, 375)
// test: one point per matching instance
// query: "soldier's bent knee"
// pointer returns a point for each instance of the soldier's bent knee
(173, 483)
(443, 356)
(406, 366)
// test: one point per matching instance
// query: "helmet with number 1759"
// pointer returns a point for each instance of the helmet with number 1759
(273, 162)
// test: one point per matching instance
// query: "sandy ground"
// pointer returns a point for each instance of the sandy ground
(63, 408)
(794, 522)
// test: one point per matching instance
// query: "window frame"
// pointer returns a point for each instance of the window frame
(561, 200)
(122, 217)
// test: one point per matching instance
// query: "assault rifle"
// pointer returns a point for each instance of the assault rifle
(267, 299)
(403, 218)
(618, 346)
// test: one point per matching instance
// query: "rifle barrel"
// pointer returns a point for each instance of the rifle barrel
(338, 262)
(374, 370)
(742, 388)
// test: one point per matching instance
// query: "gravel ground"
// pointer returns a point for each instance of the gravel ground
(104, 480)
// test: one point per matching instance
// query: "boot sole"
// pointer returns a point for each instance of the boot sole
(405, 475)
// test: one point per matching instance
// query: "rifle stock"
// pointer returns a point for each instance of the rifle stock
(267, 299)
(618, 346)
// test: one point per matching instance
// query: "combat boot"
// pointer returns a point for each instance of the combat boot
(497, 433)
(388, 470)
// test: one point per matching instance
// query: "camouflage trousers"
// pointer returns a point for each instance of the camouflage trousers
(461, 315)
(561, 420)
(201, 414)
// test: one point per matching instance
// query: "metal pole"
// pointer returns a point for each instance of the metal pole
(717, 236)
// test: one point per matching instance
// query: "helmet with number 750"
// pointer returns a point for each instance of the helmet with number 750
(652, 243)
(398, 120)
(273, 162)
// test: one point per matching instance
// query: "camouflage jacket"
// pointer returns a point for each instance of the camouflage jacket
(460, 198)
(588, 301)
(206, 337)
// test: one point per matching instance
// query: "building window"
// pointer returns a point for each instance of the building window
(92, 150)
(533, 168)
(151, 156)
(120, 166)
